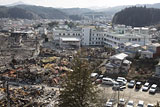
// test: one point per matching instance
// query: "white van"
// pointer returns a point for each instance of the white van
(122, 80)
(108, 81)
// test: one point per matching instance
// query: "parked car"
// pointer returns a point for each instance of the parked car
(138, 85)
(130, 103)
(131, 84)
(110, 103)
(145, 87)
(121, 102)
(122, 79)
(153, 89)
(150, 105)
(140, 104)
(120, 82)
(100, 76)
(99, 79)
(94, 75)
(108, 81)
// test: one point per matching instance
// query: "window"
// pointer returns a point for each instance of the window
(129, 39)
(139, 39)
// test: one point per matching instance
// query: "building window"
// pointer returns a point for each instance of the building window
(129, 39)
(139, 39)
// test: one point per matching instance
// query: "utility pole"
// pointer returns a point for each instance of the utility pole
(8, 95)
(118, 96)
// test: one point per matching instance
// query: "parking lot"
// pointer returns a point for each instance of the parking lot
(131, 94)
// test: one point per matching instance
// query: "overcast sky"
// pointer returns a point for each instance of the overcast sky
(81, 3)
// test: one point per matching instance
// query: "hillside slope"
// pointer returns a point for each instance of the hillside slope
(137, 16)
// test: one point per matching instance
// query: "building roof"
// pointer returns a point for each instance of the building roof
(155, 44)
(70, 39)
(135, 45)
(127, 43)
(120, 56)
(127, 62)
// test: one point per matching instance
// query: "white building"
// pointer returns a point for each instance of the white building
(113, 38)
(57, 34)
(69, 42)
(92, 37)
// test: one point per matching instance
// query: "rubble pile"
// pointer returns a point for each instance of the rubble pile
(26, 96)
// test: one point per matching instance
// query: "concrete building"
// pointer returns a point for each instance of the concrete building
(157, 69)
(113, 38)
(69, 42)
(92, 37)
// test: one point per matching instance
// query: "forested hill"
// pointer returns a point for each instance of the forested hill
(31, 12)
(137, 16)
(14, 12)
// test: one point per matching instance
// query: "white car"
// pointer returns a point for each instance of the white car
(110, 103)
(140, 104)
(130, 103)
(150, 105)
(121, 102)
(153, 89)
(108, 81)
(122, 80)
(145, 87)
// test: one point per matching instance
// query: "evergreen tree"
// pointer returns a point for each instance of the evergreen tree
(77, 89)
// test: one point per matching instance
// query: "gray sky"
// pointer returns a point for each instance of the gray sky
(81, 3)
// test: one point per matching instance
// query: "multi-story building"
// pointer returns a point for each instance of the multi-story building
(122, 34)
(113, 38)
(92, 37)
